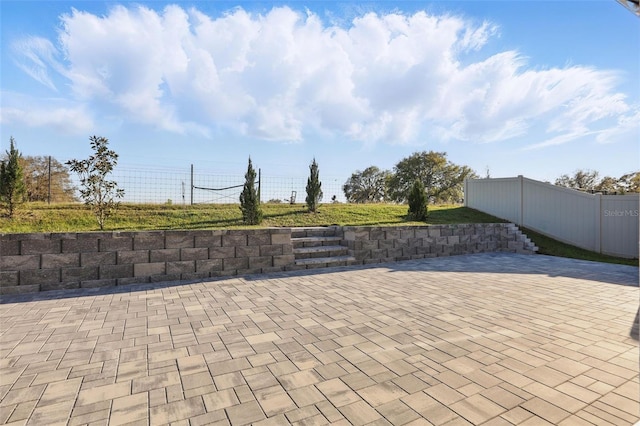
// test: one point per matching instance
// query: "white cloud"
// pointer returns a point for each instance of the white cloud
(71, 121)
(393, 78)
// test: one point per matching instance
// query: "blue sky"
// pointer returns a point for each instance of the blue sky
(525, 87)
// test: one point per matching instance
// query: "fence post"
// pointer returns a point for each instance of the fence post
(521, 201)
(49, 193)
(259, 184)
(598, 224)
(192, 184)
(466, 192)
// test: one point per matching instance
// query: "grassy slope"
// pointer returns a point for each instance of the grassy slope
(39, 217)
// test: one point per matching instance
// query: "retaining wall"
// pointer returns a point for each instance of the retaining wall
(53, 261)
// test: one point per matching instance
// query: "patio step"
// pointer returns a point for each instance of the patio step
(315, 247)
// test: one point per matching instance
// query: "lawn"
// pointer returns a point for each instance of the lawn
(40, 217)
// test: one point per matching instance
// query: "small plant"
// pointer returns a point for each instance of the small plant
(417, 202)
(12, 188)
(96, 190)
(314, 191)
(249, 200)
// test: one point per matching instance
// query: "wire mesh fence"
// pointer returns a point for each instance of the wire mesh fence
(189, 185)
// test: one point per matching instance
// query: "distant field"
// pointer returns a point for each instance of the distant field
(40, 217)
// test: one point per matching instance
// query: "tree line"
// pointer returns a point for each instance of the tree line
(590, 181)
(443, 181)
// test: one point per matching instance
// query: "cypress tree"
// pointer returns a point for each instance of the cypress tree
(249, 201)
(314, 191)
(12, 188)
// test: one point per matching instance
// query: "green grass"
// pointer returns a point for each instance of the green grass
(40, 217)
(547, 245)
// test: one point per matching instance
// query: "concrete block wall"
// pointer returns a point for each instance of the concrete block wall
(41, 262)
(391, 244)
(54, 261)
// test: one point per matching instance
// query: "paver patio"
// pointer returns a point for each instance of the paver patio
(477, 339)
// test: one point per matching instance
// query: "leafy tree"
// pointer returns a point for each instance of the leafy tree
(443, 180)
(314, 191)
(37, 176)
(417, 202)
(608, 185)
(96, 190)
(629, 182)
(367, 186)
(585, 180)
(249, 200)
(12, 188)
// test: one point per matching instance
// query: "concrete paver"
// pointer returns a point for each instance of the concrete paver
(489, 338)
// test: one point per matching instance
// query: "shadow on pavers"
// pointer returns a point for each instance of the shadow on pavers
(635, 328)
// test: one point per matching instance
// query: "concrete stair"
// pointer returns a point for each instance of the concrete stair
(522, 243)
(319, 247)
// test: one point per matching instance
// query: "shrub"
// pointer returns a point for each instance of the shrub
(418, 202)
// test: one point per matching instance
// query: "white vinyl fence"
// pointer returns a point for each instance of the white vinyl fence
(606, 224)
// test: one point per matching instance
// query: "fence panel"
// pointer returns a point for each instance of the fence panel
(498, 197)
(568, 215)
(619, 225)
(603, 223)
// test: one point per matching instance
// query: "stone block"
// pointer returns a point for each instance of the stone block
(132, 256)
(260, 262)
(407, 233)
(233, 240)
(164, 255)
(422, 233)
(132, 280)
(454, 239)
(394, 252)
(259, 239)
(208, 241)
(284, 260)
(369, 245)
(362, 254)
(60, 260)
(198, 253)
(79, 274)
(19, 263)
(115, 244)
(9, 247)
(272, 269)
(80, 245)
(385, 244)
(39, 276)
(148, 241)
(98, 283)
(99, 258)
(281, 238)
(434, 231)
(392, 234)
(377, 234)
(164, 278)
(209, 265)
(193, 276)
(414, 242)
(149, 269)
(115, 271)
(9, 278)
(409, 251)
(180, 239)
(379, 253)
(235, 263)
(400, 243)
(19, 289)
(271, 250)
(248, 251)
(181, 267)
(39, 247)
(423, 250)
(222, 252)
(60, 286)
